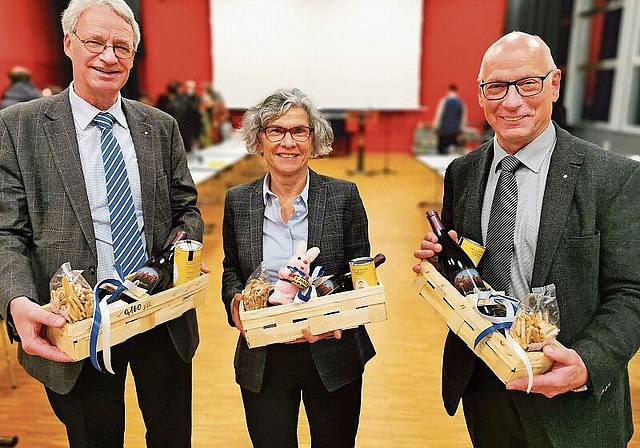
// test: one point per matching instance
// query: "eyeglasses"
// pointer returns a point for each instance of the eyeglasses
(530, 86)
(298, 133)
(96, 47)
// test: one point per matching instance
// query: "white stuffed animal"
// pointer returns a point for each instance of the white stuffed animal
(295, 276)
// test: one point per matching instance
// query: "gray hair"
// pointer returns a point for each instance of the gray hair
(72, 14)
(273, 107)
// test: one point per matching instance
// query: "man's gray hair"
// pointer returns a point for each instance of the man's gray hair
(72, 14)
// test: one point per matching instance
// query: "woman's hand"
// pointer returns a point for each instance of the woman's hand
(310, 338)
(235, 312)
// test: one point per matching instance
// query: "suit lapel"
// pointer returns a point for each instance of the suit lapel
(63, 144)
(561, 183)
(142, 135)
(477, 180)
(317, 206)
(256, 219)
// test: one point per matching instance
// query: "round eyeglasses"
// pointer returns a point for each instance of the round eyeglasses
(298, 133)
(529, 86)
(121, 51)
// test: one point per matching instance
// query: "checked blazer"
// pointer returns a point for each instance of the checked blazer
(45, 218)
(588, 246)
(338, 226)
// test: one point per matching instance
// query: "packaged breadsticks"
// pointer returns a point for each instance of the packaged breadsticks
(537, 322)
(71, 296)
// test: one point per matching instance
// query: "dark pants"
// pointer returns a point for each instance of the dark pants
(93, 412)
(445, 139)
(495, 415)
(272, 414)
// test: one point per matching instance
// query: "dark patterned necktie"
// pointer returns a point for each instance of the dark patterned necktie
(128, 249)
(496, 262)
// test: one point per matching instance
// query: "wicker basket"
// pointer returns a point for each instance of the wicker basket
(130, 319)
(463, 320)
(284, 323)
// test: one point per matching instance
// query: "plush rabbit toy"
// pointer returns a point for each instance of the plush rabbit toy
(294, 277)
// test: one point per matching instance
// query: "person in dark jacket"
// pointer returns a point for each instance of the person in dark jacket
(21, 88)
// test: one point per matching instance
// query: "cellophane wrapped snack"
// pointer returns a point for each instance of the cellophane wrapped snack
(537, 322)
(70, 294)
(257, 289)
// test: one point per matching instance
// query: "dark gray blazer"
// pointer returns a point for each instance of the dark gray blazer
(588, 246)
(338, 226)
(45, 218)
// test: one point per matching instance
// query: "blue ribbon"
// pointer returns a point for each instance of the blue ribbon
(499, 323)
(98, 295)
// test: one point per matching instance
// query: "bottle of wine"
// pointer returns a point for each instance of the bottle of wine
(453, 262)
(8, 441)
(341, 282)
(156, 274)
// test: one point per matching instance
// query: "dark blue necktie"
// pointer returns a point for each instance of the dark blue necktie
(128, 249)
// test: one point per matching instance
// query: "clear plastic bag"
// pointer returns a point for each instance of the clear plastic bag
(70, 294)
(537, 322)
(257, 289)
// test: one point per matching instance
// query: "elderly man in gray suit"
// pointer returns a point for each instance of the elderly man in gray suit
(55, 209)
(577, 217)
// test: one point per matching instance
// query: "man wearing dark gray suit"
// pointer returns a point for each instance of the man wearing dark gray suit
(55, 210)
(576, 226)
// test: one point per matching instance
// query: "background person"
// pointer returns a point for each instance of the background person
(264, 220)
(21, 88)
(577, 207)
(55, 210)
(450, 120)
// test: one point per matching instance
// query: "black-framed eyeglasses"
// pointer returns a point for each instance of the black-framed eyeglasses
(96, 47)
(529, 86)
(298, 133)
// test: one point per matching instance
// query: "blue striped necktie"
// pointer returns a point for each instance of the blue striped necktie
(128, 250)
(496, 262)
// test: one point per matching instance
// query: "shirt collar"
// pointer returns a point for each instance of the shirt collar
(266, 191)
(84, 113)
(533, 155)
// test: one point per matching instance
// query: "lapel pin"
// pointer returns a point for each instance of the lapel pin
(564, 176)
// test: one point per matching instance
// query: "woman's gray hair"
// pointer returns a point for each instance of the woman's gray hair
(72, 14)
(274, 106)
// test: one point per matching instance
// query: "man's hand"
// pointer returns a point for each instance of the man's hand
(569, 372)
(29, 320)
(429, 248)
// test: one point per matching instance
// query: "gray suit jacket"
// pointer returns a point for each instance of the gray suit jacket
(338, 226)
(45, 218)
(588, 247)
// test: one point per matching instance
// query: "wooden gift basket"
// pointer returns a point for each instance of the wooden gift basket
(284, 323)
(130, 319)
(467, 323)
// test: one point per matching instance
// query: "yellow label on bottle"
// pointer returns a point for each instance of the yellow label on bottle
(473, 249)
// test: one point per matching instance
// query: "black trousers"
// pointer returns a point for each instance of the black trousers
(445, 139)
(499, 418)
(94, 412)
(290, 375)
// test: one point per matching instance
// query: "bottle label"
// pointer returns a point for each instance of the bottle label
(467, 280)
(146, 277)
(473, 249)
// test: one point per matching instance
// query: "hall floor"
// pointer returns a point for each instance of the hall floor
(401, 400)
